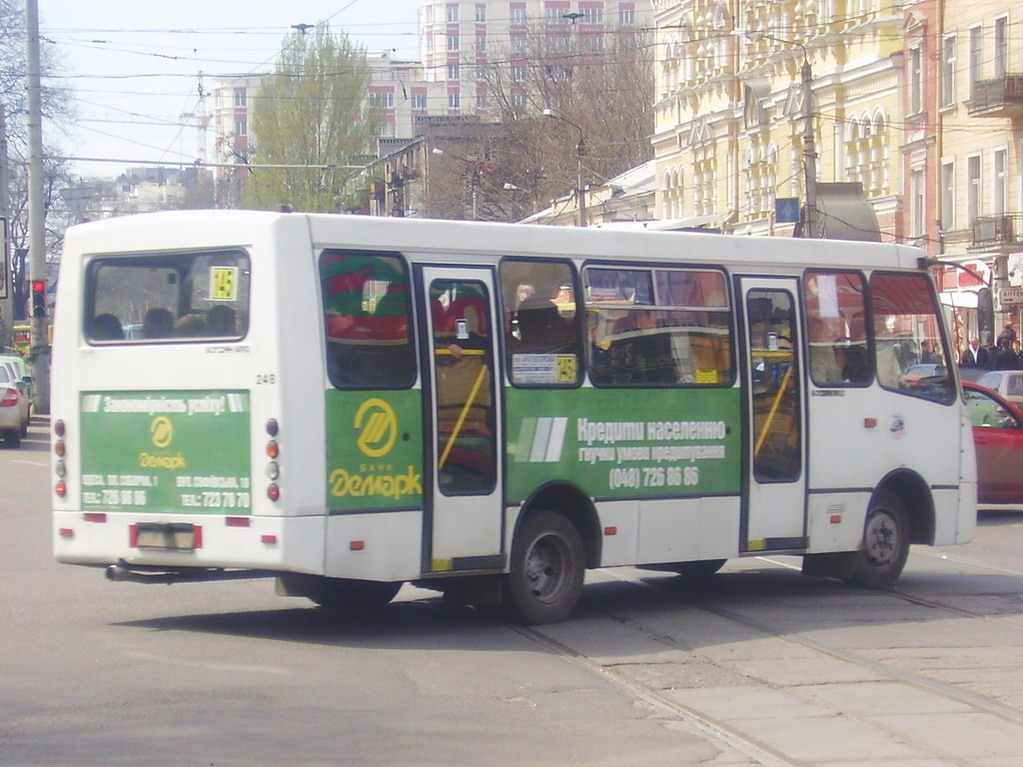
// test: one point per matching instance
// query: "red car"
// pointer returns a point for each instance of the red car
(998, 437)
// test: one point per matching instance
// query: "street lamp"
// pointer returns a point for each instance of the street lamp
(580, 151)
(475, 176)
(809, 151)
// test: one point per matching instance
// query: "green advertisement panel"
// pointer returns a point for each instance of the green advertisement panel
(625, 444)
(166, 452)
(374, 450)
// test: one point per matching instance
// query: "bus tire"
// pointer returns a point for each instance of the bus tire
(12, 438)
(345, 594)
(545, 579)
(885, 543)
(702, 569)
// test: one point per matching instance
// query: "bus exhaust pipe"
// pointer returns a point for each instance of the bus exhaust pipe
(121, 572)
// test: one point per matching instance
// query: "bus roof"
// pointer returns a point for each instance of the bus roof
(214, 228)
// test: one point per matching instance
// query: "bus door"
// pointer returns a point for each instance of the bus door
(463, 508)
(774, 508)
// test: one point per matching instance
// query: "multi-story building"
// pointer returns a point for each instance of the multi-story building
(979, 196)
(731, 114)
(461, 39)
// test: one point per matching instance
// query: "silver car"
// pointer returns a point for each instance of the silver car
(13, 408)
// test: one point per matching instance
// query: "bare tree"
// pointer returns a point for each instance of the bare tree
(598, 90)
(58, 115)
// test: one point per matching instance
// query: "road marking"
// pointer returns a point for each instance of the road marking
(30, 463)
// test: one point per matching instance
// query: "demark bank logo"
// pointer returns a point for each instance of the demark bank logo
(162, 431)
(377, 436)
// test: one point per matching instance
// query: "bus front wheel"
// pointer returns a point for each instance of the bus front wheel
(885, 543)
(545, 579)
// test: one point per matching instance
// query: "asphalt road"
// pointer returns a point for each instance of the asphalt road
(755, 666)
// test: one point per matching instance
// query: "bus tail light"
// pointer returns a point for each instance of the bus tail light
(59, 449)
(273, 469)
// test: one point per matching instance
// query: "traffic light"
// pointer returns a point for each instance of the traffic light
(38, 298)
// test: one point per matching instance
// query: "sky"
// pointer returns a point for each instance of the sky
(134, 67)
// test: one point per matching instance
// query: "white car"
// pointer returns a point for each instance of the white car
(13, 408)
(1008, 383)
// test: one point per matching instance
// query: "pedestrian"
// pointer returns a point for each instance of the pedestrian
(974, 355)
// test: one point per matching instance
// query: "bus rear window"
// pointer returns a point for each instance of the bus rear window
(194, 296)
(366, 321)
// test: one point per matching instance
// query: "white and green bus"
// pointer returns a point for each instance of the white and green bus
(351, 403)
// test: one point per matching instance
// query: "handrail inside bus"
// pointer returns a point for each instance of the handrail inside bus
(461, 417)
(774, 409)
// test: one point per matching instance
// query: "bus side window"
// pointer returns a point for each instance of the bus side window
(366, 320)
(658, 327)
(906, 314)
(541, 326)
(836, 331)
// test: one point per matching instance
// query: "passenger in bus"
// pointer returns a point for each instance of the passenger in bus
(540, 325)
(189, 326)
(824, 367)
(106, 327)
(157, 323)
(220, 321)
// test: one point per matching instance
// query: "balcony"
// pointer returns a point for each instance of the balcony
(1002, 97)
(996, 234)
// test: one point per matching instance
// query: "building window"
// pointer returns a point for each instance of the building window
(241, 128)
(1000, 180)
(481, 43)
(1001, 59)
(380, 100)
(239, 98)
(453, 101)
(916, 81)
(481, 13)
(948, 196)
(452, 42)
(917, 228)
(518, 73)
(973, 190)
(453, 71)
(592, 15)
(518, 15)
(976, 60)
(481, 73)
(518, 45)
(948, 71)
(626, 16)
(519, 100)
(452, 12)
(555, 14)
(419, 101)
(481, 101)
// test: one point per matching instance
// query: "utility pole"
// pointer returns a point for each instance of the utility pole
(40, 354)
(810, 222)
(6, 273)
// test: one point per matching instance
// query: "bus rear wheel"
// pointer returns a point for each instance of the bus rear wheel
(343, 594)
(885, 543)
(545, 579)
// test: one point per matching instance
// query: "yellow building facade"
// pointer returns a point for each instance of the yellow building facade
(731, 116)
(979, 202)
